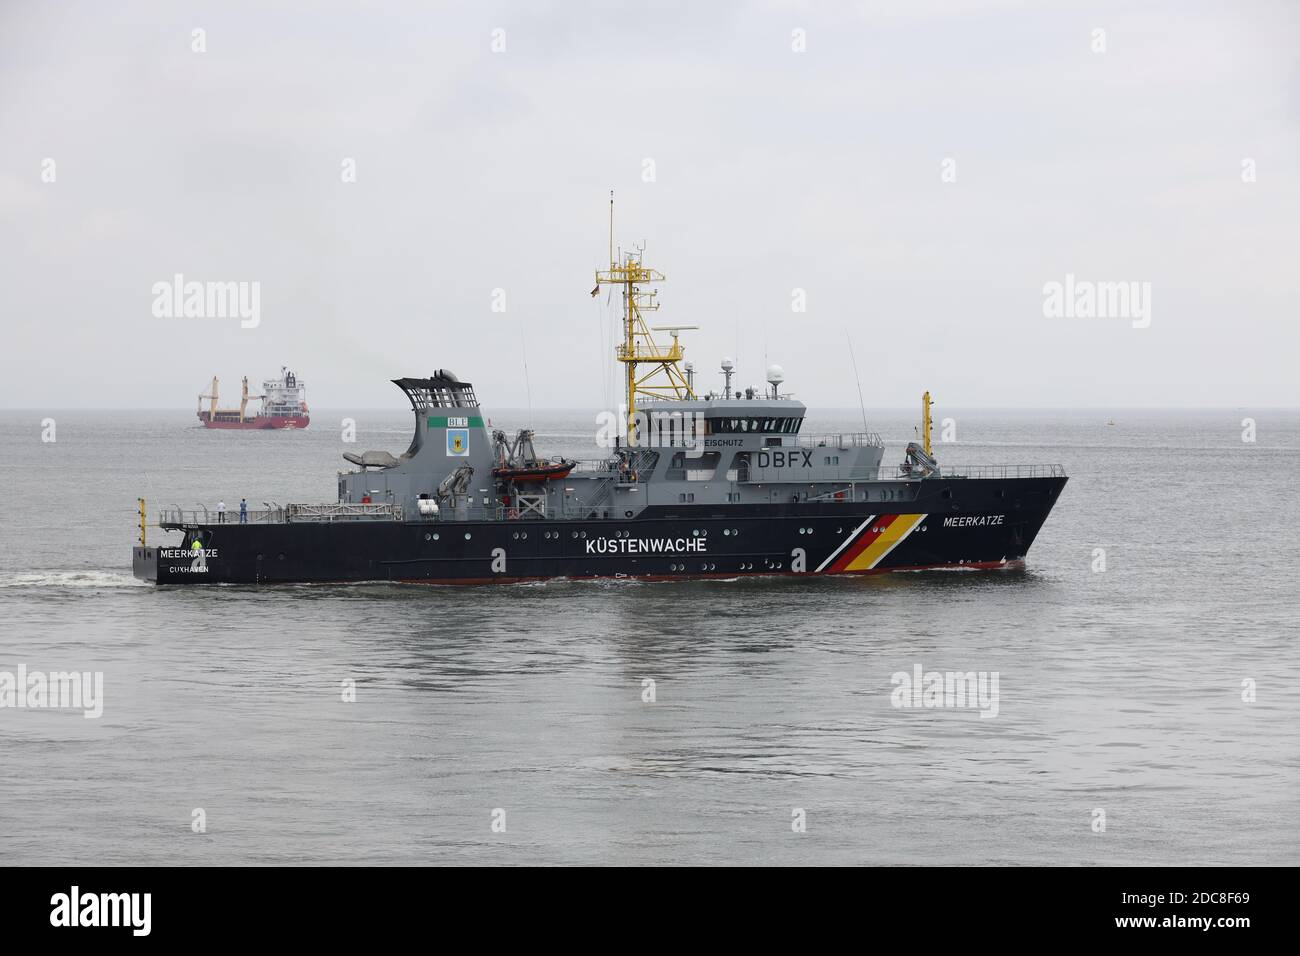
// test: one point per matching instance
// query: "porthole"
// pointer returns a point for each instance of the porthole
(428, 537)
(435, 536)
(468, 536)
(582, 533)
(280, 556)
(524, 535)
(515, 536)
(726, 532)
(575, 534)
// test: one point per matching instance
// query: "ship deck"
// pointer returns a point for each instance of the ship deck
(177, 518)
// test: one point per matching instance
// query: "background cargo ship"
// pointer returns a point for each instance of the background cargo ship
(283, 405)
(722, 484)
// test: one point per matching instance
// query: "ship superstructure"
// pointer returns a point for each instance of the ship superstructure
(726, 483)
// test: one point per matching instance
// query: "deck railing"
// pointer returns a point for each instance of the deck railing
(846, 440)
(177, 517)
(1000, 471)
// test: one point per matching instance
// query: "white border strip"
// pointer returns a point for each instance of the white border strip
(847, 541)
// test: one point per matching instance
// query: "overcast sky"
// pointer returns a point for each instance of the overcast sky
(772, 170)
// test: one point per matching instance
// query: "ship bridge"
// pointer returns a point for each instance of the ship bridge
(724, 416)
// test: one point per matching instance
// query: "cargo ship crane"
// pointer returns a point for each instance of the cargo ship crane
(212, 394)
(243, 401)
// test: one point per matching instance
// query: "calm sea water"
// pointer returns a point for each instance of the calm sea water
(1119, 690)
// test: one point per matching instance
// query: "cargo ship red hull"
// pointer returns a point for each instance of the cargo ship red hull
(258, 422)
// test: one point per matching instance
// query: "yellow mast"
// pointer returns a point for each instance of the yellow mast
(638, 346)
(925, 420)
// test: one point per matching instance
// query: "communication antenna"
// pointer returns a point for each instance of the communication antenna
(853, 359)
(528, 388)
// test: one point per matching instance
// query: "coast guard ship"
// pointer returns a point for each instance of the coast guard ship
(724, 484)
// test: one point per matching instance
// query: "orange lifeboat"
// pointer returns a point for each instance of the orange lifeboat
(541, 471)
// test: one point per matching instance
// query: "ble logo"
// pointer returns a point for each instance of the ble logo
(458, 442)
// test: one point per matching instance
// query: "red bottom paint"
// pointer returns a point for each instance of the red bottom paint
(262, 423)
(713, 575)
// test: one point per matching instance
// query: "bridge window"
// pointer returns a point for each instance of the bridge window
(743, 426)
